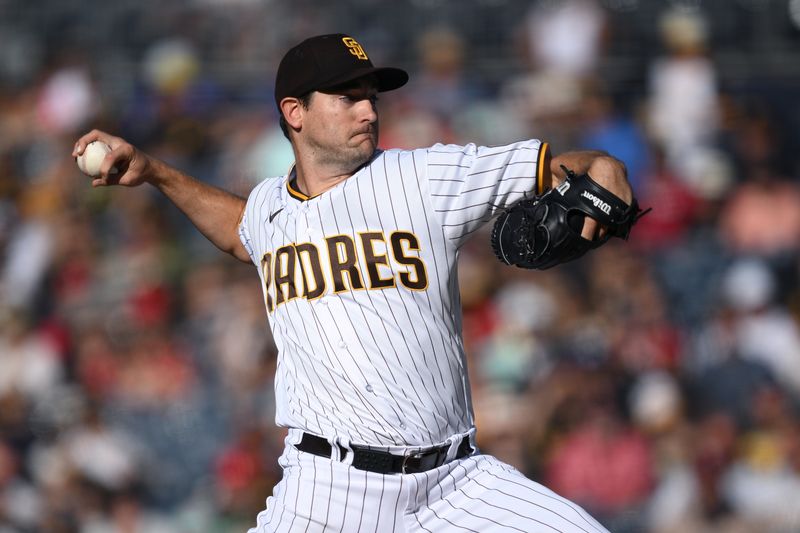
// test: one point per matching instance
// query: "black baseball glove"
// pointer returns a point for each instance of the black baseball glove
(546, 231)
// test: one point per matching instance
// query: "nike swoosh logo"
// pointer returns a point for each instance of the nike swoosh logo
(273, 215)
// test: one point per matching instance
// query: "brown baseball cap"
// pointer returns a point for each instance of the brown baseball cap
(326, 61)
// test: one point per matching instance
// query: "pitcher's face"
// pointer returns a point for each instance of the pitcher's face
(340, 125)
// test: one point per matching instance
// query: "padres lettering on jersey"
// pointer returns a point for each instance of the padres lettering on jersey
(298, 270)
(361, 287)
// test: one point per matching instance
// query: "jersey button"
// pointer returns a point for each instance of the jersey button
(369, 388)
(342, 344)
(402, 425)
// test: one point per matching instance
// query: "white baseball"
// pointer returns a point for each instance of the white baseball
(92, 157)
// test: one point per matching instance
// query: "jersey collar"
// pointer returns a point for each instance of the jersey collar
(291, 185)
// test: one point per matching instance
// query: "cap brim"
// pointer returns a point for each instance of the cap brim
(389, 78)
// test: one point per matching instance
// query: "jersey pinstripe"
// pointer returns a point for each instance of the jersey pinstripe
(361, 289)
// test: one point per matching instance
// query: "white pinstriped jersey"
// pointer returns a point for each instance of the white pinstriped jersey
(361, 289)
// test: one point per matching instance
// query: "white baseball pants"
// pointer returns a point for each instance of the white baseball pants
(477, 494)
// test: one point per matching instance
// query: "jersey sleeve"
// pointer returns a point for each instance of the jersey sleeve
(260, 202)
(244, 236)
(470, 184)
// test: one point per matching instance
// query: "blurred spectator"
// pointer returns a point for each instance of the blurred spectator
(728, 376)
(758, 144)
(242, 346)
(566, 36)
(675, 206)
(632, 306)
(729, 387)
(411, 127)
(513, 355)
(20, 503)
(243, 476)
(712, 453)
(656, 402)
(547, 104)
(154, 373)
(174, 94)
(563, 42)
(610, 129)
(477, 282)
(97, 365)
(252, 147)
(602, 463)
(765, 332)
(102, 455)
(171, 66)
(764, 476)
(68, 99)
(30, 365)
(649, 340)
(442, 87)
(27, 259)
(762, 215)
(683, 111)
(125, 513)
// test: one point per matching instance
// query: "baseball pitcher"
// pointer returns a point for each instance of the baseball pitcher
(356, 248)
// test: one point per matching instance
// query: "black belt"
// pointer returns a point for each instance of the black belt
(385, 462)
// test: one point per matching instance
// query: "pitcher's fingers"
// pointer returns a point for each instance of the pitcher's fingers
(589, 230)
(94, 135)
(116, 160)
(108, 168)
(80, 144)
(592, 229)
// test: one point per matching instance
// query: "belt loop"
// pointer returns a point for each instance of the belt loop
(337, 445)
(335, 449)
(453, 443)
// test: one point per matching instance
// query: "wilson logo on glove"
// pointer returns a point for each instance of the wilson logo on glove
(597, 202)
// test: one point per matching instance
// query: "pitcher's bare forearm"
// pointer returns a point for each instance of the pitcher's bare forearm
(215, 212)
(579, 162)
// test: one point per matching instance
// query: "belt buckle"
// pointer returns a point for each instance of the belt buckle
(437, 455)
(416, 455)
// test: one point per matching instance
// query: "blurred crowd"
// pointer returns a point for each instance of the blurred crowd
(655, 382)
